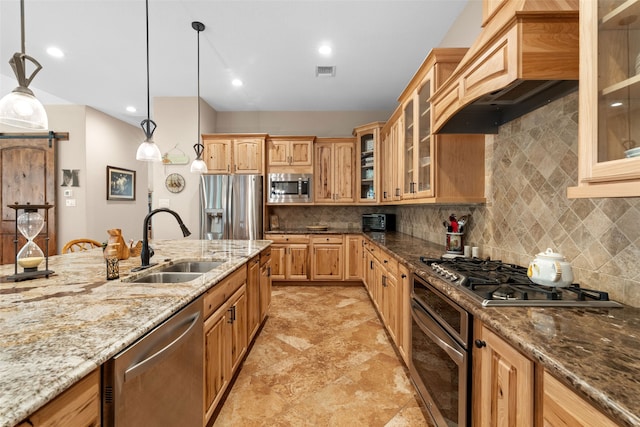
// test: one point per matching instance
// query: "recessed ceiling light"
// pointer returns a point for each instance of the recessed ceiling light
(236, 82)
(55, 52)
(131, 109)
(325, 49)
(616, 104)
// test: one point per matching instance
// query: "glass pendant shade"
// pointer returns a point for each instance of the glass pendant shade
(21, 109)
(148, 151)
(199, 166)
(30, 224)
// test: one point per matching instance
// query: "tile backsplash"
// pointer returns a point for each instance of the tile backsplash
(528, 166)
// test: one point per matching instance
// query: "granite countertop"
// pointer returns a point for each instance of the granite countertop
(592, 350)
(56, 330)
(329, 230)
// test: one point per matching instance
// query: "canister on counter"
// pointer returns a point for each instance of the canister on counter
(454, 243)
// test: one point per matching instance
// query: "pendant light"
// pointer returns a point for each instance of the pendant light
(198, 165)
(148, 151)
(21, 108)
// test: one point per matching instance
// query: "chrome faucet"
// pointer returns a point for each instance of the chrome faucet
(146, 254)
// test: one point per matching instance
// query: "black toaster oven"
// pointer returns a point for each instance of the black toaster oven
(378, 222)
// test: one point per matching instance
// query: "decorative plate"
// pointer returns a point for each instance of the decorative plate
(174, 183)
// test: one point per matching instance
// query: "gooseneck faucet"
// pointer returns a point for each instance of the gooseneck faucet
(145, 254)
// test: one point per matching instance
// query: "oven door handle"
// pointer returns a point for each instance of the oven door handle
(437, 334)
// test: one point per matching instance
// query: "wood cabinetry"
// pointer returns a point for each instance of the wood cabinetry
(368, 162)
(234, 153)
(561, 407)
(333, 170)
(253, 296)
(265, 283)
(290, 154)
(354, 257)
(327, 257)
(382, 283)
(225, 336)
(390, 165)
(503, 384)
(609, 100)
(436, 168)
(289, 257)
(79, 406)
(403, 338)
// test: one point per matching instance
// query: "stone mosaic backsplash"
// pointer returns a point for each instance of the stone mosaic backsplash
(529, 166)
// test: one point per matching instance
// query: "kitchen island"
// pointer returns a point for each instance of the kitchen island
(56, 330)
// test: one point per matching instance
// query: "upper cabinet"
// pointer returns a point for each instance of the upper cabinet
(609, 99)
(368, 155)
(435, 168)
(290, 154)
(333, 170)
(390, 169)
(234, 153)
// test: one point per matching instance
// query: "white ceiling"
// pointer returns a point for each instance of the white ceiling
(270, 45)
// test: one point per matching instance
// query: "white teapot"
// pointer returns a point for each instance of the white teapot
(550, 269)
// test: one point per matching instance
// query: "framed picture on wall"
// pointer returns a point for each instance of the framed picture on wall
(121, 184)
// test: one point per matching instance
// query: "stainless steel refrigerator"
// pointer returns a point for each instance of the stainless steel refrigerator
(231, 207)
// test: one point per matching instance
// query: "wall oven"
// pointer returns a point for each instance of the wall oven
(441, 354)
(290, 188)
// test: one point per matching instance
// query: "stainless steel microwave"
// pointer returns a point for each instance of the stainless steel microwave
(290, 188)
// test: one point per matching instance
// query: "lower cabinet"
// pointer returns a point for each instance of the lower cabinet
(289, 257)
(563, 407)
(253, 296)
(503, 382)
(79, 406)
(225, 336)
(353, 258)
(265, 283)
(404, 313)
(327, 257)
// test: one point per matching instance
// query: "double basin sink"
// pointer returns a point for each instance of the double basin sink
(179, 272)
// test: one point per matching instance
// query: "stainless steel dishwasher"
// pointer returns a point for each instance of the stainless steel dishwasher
(158, 380)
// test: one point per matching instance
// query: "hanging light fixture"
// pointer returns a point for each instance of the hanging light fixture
(148, 151)
(198, 165)
(21, 108)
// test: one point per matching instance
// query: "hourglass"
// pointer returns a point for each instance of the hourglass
(30, 257)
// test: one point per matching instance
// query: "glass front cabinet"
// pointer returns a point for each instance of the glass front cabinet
(609, 100)
(368, 157)
(436, 168)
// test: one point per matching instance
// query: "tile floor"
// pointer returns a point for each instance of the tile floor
(322, 359)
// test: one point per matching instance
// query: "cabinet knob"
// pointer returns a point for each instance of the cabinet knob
(480, 343)
(404, 276)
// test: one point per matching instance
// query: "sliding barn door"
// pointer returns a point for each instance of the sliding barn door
(27, 175)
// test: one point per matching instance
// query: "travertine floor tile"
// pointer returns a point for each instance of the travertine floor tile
(322, 359)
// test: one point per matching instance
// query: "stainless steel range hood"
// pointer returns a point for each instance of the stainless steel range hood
(525, 56)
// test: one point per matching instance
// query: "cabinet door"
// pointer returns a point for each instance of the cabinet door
(300, 153)
(217, 155)
(390, 304)
(563, 407)
(265, 289)
(323, 173)
(423, 172)
(343, 172)
(408, 183)
(367, 169)
(247, 155)
(354, 258)
(217, 368)
(253, 297)
(502, 382)
(298, 262)
(279, 262)
(78, 406)
(278, 152)
(238, 322)
(404, 313)
(328, 261)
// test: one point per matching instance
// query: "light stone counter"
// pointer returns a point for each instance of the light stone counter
(56, 330)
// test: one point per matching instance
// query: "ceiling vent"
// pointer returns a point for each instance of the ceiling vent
(325, 71)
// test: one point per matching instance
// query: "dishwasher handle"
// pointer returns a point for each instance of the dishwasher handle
(146, 364)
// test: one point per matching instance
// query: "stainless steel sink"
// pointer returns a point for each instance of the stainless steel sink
(192, 266)
(167, 277)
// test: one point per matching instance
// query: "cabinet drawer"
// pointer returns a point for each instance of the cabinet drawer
(390, 264)
(288, 238)
(326, 239)
(265, 256)
(216, 296)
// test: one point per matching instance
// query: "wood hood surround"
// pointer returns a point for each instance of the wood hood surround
(526, 55)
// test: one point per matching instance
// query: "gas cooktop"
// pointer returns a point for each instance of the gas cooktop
(495, 283)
